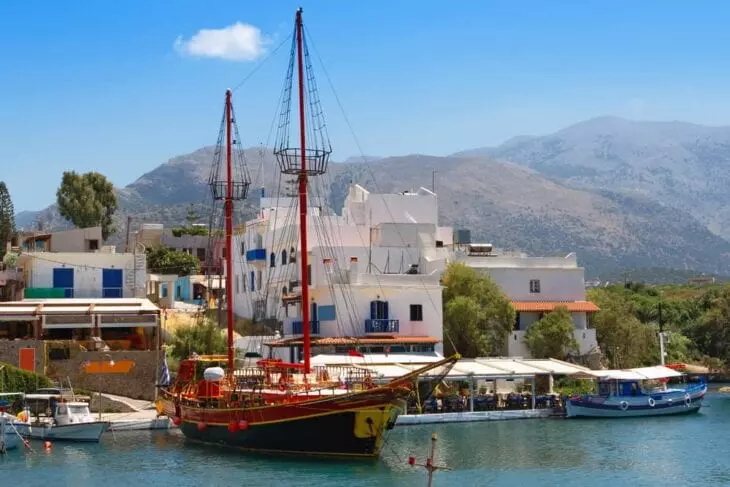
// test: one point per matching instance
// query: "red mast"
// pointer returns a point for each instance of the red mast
(229, 234)
(303, 198)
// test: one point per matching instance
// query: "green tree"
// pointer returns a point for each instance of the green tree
(161, 260)
(552, 336)
(13, 379)
(496, 316)
(203, 338)
(463, 320)
(7, 218)
(712, 333)
(87, 200)
(624, 340)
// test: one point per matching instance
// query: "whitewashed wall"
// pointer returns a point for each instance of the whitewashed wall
(88, 267)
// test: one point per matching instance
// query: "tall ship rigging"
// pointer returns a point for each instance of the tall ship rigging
(274, 406)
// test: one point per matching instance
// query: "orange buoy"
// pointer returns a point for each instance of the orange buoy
(233, 426)
(176, 420)
(202, 426)
(47, 445)
(243, 425)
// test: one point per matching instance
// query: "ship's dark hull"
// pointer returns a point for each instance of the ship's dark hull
(337, 434)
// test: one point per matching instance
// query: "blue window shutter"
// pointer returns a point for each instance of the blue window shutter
(314, 312)
(373, 309)
(385, 310)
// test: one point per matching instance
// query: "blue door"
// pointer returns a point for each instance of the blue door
(64, 278)
(111, 283)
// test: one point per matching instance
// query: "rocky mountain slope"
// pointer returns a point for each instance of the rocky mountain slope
(504, 203)
(681, 165)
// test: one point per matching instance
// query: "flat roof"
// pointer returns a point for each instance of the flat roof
(100, 306)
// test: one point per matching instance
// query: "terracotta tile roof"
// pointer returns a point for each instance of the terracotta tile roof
(542, 306)
(381, 340)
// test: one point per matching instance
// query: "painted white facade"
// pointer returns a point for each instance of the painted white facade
(88, 270)
(529, 279)
(356, 258)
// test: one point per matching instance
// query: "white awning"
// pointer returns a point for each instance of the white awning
(641, 373)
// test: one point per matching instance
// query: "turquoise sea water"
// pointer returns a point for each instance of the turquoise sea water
(682, 450)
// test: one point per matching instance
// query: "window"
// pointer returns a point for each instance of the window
(253, 281)
(292, 256)
(534, 285)
(517, 322)
(223, 252)
(243, 248)
(93, 244)
(284, 291)
(309, 274)
(416, 312)
(201, 254)
(378, 310)
(272, 259)
(283, 257)
(238, 285)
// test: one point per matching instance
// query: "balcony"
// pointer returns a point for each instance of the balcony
(298, 329)
(255, 255)
(382, 326)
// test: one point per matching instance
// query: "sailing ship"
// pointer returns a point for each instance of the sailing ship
(272, 406)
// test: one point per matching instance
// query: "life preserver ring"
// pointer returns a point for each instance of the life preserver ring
(624, 406)
(282, 383)
(687, 399)
(652, 402)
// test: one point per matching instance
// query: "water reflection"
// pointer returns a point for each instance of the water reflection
(652, 451)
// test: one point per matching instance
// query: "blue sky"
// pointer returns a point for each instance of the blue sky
(101, 85)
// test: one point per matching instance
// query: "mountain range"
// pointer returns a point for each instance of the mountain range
(619, 193)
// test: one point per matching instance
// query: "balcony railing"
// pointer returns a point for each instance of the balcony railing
(298, 329)
(256, 254)
(382, 326)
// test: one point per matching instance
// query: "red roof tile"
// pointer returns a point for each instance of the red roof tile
(542, 306)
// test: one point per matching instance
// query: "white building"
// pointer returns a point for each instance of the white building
(373, 274)
(535, 286)
(91, 274)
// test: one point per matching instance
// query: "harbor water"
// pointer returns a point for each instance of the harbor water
(668, 451)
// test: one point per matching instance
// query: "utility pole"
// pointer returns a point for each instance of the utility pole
(126, 243)
(433, 181)
(661, 331)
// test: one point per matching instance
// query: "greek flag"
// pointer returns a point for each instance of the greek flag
(165, 373)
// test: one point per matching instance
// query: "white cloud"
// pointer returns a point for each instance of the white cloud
(237, 42)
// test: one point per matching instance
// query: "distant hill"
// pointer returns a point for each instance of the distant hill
(510, 205)
(678, 164)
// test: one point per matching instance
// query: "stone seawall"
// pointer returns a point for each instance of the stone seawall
(137, 381)
(10, 352)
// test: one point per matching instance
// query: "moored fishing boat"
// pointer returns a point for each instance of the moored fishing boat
(636, 392)
(270, 405)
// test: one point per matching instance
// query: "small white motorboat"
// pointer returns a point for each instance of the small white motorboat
(69, 421)
(9, 437)
(636, 392)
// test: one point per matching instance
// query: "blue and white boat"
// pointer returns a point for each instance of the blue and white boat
(10, 438)
(636, 392)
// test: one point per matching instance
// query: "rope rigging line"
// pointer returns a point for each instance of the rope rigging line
(261, 63)
(367, 166)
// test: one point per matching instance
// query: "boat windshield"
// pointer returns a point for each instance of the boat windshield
(78, 409)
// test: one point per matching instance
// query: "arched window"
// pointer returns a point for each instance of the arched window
(283, 257)
(272, 258)
(292, 256)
